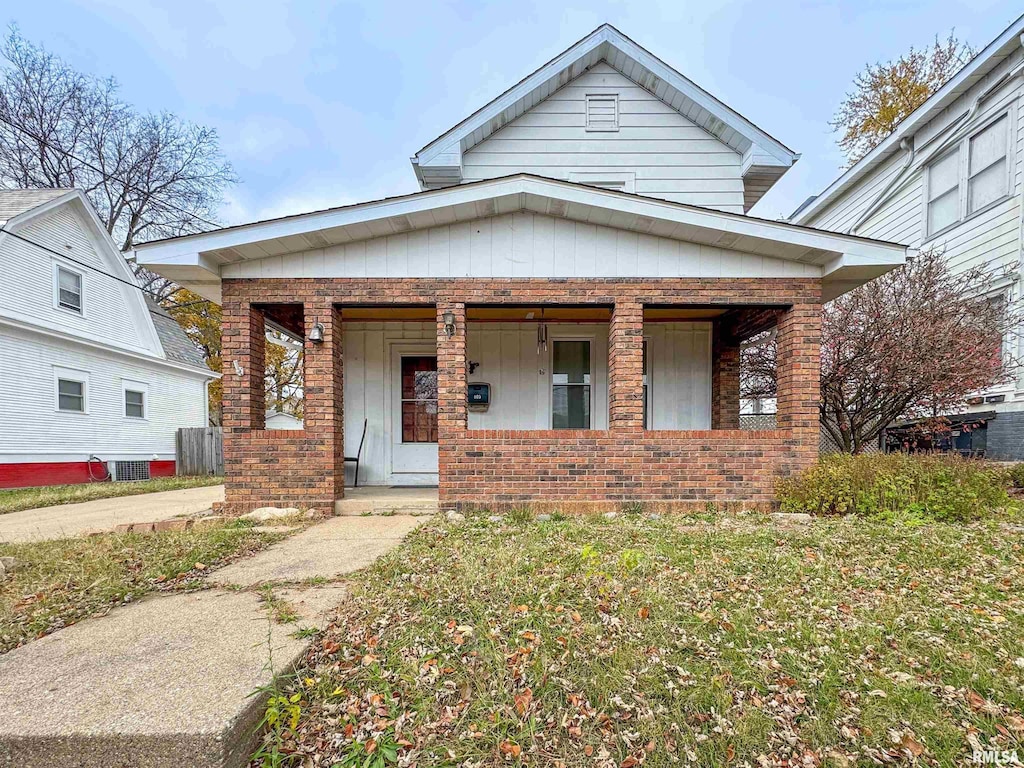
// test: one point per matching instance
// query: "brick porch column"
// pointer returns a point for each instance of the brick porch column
(243, 397)
(451, 375)
(323, 388)
(243, 346)
(626, 366)
(798, 372)
(451, 396)
(725, 377)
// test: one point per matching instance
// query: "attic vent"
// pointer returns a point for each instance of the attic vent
(602, 111)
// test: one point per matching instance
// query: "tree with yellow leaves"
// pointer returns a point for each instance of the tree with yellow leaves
(884, 94)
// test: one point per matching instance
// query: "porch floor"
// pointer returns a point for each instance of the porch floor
(387, 500)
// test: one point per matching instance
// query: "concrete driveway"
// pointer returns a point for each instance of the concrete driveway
(103, 514)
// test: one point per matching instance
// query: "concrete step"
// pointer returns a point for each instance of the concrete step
(379, 500)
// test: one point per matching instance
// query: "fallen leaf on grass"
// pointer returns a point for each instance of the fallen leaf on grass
(523, 700)
(510, 749)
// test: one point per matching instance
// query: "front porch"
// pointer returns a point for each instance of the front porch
(601, 391)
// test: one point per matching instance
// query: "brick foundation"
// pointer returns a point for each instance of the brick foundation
(574, 468)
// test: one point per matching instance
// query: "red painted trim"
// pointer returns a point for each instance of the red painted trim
(31, 474)
(162, 469)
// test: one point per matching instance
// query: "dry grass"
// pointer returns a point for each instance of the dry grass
(633, 641)
(59, 582)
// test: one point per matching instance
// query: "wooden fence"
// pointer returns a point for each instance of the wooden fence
(199, 451)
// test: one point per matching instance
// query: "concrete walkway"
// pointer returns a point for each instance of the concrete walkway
(166, 682)
(103, 514)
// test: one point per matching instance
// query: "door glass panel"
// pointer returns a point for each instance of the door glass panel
(570, 379)
(419, 399)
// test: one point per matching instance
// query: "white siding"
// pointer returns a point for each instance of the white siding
(991, 237)
(520, 244)
(520, 379)
(520, 374)
(672, 158)
(26, 284)
(32, 429)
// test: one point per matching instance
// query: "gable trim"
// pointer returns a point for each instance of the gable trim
(439, 163)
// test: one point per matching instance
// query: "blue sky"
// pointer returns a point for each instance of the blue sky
(322, 103)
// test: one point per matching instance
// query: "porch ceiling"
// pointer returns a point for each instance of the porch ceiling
(196, 260)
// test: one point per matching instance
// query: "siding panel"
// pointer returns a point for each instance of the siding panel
(675, 158)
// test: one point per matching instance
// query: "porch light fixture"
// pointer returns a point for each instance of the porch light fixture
(316, 333)
(449, 323)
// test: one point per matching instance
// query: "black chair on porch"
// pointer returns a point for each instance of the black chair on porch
(358, 454)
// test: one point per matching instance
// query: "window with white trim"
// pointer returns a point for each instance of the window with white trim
(68, 288)
(570, 384)
(970, 178)
(71, 395)
(135, 396)
(602, 111)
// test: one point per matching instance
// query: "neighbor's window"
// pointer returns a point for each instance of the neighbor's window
(970, 178)
(135, 404)
(987, 175)
(570, 385)
(71, 395)
(69, 289)
(602, 112)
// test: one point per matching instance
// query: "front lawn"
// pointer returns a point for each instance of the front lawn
(56, 583)
(17, 499)
(679, 641)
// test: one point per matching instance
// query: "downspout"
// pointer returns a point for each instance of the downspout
(907, 144)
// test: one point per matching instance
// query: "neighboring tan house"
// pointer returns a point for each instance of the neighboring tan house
(555, 319)
(94, 378)
(949, 179)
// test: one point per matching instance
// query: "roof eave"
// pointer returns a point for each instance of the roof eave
(190, 260)
(924, 113)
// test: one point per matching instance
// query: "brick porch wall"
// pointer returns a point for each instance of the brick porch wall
(573, 468)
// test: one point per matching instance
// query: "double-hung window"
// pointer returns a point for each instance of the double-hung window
(970, 178)
(68, 288)
(570, 384)
(71, 390)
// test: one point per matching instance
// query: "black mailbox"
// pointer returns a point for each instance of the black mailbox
(478, 395)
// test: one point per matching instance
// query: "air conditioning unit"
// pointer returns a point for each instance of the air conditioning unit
(128, 471)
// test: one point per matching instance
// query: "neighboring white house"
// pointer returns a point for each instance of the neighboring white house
(281, 420)
(949, 179)
(89, 367)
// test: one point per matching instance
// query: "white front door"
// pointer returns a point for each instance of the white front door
(414, 413)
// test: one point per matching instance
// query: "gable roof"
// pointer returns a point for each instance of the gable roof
(159, 332)
(176, 344)
(973, 71)
(14, 202)
(195, 261)
(765, 158)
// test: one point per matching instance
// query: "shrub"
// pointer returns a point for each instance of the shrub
(1016, 473)
(936, 486)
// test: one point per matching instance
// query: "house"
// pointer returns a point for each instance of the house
(96, 379)
(281, 420)
(554, 318)
(949, 180)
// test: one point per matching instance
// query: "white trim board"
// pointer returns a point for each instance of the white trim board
(197, 260)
